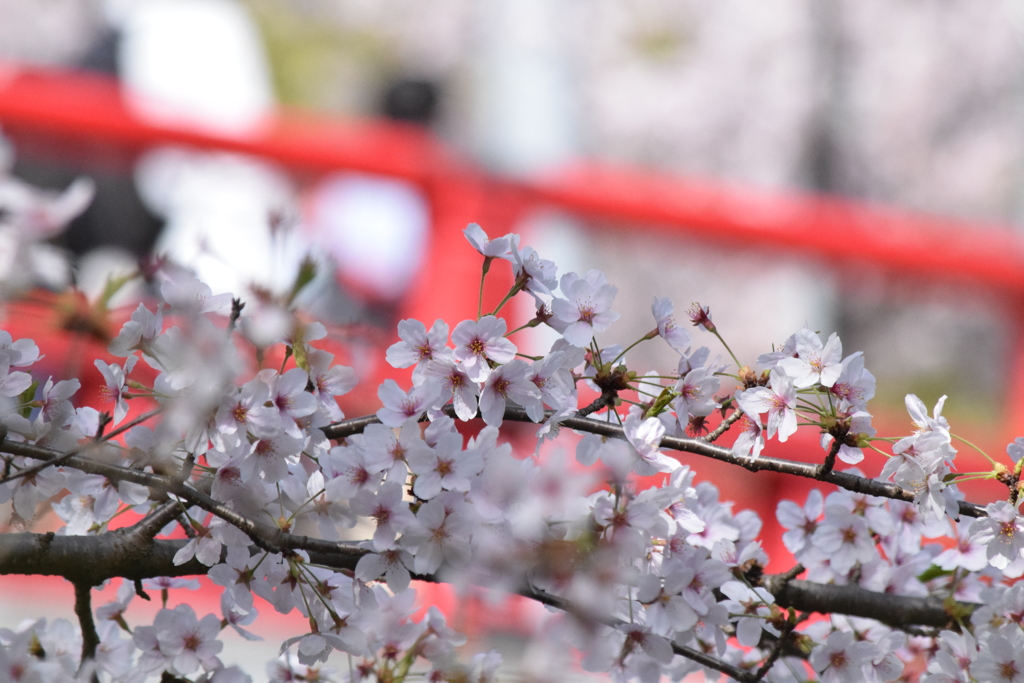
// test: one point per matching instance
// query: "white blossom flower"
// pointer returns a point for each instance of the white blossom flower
(1000, 532)
(779, 402)
(586, 308)
(400, 406)
(814, 364)
(388, 510)
(645, 435)
(477, 341)
(664, 315)
(841, 658)
(418, 347)
(507, 382)
(499, 247)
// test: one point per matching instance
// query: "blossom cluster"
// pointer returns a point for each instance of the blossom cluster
(654, 574)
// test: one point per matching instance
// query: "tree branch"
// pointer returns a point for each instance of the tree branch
(94, 559)
(29, 471)
(701, 447)
(83, 610)
(264, 537)
(895, 610)
(723, 427)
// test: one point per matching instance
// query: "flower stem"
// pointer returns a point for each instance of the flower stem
(734, 359)
(960, 438)
(644, 338)
(483, 276)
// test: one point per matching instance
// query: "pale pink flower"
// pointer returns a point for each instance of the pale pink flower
(750, 607)
(855, 385)
(477, 341)
(445, 466)
(539, 274)
(924, 422)
(1000, 532)
(183, 291)
(800, 522)
(186, 642)
(456, 386)
(696, 395)
(645, 435)
(388, 510)
(1001, 658)
(20, 353)
(750, 436)
(138, 333)
(393, 564)
(586, 308)
(418, 347)
(664, 314)
(499, 247)
(289, 396)
(814, 364)
(329, 381)
(845, 538)
(114, 377)
(399, 406)
(507, 382)
(779, 402)
(840, 659)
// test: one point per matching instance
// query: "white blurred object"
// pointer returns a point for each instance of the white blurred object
(97, 267)
(193, 62)
(374, 227)
(524, 96)
(201, 63)
(218, 209)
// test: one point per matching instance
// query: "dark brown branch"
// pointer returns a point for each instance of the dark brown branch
(895, 610)
(83, 610)
(29, 471)
(851, 482)
(701, 658)
(264, 537)
(94, 559)
(601, 401)
(356, 425)
(830, 460)
(90, 560)
(148, 527)
(723, 427)
(701, 447)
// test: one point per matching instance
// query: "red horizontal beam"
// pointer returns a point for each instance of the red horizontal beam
(842, 231)
(91, 107)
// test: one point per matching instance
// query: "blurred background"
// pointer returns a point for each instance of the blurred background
(853, 165)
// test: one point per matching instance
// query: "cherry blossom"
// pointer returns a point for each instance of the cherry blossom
(499, 247)
(779, 402)
(586, 308)
(400, 406)
(477, 341)
(664, 315)
(511, 381)
(814, 363)
(418, 347)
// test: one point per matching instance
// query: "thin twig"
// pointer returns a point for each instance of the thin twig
(688, 652)
(57, 462)
(724, 426)
(83, 610)
(149, 526)
(830, 459)
(598, 403)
